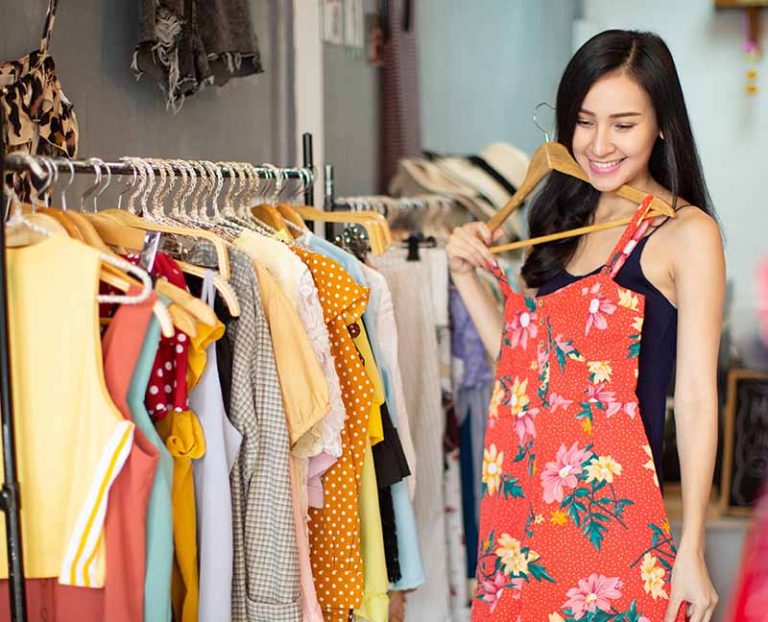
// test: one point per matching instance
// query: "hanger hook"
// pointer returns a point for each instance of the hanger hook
(94, 162)
(129, 185)
(135, 164)
(65, 188)
(53, 178)
(547, 137)
(103, 188)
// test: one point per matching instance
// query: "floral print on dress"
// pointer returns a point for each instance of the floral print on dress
(572, 526)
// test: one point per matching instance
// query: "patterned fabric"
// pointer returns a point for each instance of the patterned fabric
(167, 390)
(39, 119)
(187, 44)
(266, 582)
(334, 530)
(572, 525)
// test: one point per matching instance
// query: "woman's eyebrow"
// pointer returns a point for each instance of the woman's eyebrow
(612, 116)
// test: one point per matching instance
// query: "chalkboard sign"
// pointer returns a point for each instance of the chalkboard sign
(745, 440)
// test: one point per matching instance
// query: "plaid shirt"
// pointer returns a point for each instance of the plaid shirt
(266, 585)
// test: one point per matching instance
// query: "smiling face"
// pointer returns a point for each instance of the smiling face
(615, 132)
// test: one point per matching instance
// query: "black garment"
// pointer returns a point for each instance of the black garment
(388, 455)
(657, 351)
(391, 467)
(186, 44)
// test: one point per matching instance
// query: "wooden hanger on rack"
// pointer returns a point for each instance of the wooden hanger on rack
(290, 215)
(31, 227)
(553, 156)
(373, 222)
(126, 230)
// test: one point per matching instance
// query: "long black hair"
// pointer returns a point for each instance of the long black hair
(565, 202)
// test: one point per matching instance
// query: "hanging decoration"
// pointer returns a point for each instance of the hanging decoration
(752, 36)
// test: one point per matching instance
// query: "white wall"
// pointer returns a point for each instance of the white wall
(485, 65)
(731, 127)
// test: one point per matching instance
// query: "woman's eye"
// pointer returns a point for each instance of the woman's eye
(624, 126)
(584, 122)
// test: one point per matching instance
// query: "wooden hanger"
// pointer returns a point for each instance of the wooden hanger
(134, 241)
(48, 225)
(373, 223)
(131, 220)
(117, 234)
(180, 317)
(553, 156)
(270, 216)
(223, 287)
(291, 216)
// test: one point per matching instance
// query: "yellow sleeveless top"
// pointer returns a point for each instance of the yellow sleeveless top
(71, 440)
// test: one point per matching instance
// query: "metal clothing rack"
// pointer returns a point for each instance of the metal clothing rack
(10, 496)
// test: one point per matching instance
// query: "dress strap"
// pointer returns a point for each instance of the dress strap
(50, 19)
(498, 272)
(626, 244)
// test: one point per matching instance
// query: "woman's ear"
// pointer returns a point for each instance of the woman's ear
(661, 135)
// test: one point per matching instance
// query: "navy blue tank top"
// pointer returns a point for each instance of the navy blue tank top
(658, 344)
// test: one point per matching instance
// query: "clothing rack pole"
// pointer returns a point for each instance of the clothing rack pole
(63, 165)
(309, 163)
(10, 500)
(328, 199)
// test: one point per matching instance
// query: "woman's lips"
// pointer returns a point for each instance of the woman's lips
(605, 167)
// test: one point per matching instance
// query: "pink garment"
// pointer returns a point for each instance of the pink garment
(309, 603)
(318, 465)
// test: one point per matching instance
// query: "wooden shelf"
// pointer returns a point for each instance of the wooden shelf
(741, 4)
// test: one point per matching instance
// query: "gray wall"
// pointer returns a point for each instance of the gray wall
(484, 67)
(249, 119)
(351, 118)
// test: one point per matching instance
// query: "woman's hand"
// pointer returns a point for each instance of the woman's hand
(467, 247)
(691, 583)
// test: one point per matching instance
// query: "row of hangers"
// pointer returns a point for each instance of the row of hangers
(194, 212)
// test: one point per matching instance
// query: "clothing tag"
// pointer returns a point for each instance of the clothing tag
(149, 252)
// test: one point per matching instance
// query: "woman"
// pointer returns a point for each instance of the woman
(543, 554)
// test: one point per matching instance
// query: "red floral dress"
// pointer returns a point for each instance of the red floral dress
(572, 525)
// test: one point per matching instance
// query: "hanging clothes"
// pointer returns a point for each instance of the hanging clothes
(297, 283)
(126, 520)
(565, 448)
(125, 530)
(39, 119)
(213, 497)
(66, 493)
(379, 321)
(334, 530)
(305, 393)
(266, 579)
(157, 580)
(420, 368)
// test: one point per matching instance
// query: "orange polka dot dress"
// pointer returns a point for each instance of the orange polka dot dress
(572, 522)
(334, 529)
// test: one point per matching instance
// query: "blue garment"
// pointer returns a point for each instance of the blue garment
(467, 346)
(659, 339)
(157, 581)
(468, 501)
(409, 554)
